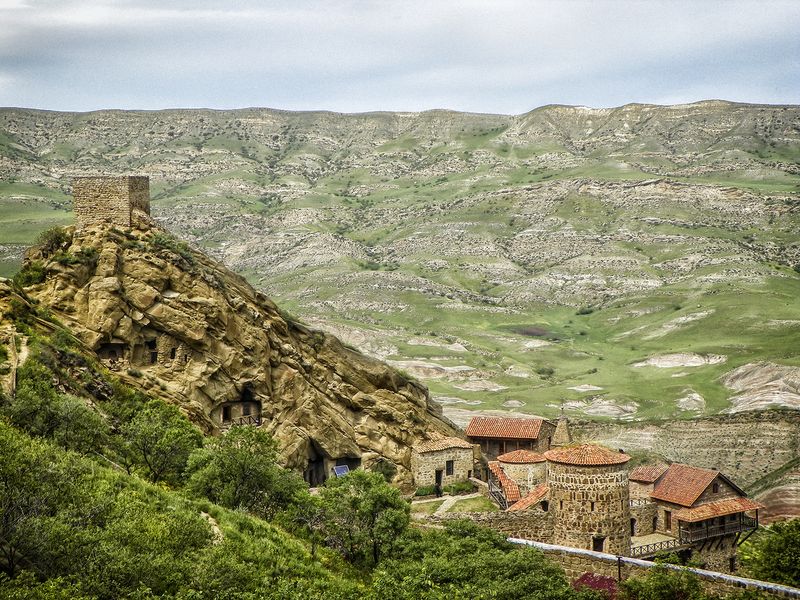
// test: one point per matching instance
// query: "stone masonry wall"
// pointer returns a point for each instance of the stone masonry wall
(527, 476)
(425, 465)
(533, 523)
(110, 199)
(589, 502)
(575, 562)
(644, 514)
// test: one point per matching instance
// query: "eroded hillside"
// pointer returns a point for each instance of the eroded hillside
(526, 262)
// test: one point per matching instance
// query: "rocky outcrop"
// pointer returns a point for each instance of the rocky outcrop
(179, 325)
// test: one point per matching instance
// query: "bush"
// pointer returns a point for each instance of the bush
(51, 240)
(162, 241)
(460, 487)
(585, 310)
(425, 490)
(31, 273)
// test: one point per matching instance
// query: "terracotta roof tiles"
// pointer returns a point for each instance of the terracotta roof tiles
(586, 455)
(683, 484)
(504, 428)
(717, 509)
(510, 487)
(648, 473)
(442, 444)
(521, 457)
(536, 495)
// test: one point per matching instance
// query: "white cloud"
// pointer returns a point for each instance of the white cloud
(500, 55)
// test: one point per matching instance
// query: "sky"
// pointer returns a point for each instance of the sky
(493, 56)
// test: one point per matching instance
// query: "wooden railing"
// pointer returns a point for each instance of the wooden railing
(496, 492)
(635, 502)
(654, 548)
(688, 536)
(254, 420)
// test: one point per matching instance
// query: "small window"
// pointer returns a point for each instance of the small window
(226, 414)
(448, 467)
(544, 505)
(172, 353)
(469, 474)
(561, 505)
(153, 358)
(715, 488)
(598, 544)
(591, 508)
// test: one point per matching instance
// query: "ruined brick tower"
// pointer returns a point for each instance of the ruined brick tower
(112, 200)
(589, 498)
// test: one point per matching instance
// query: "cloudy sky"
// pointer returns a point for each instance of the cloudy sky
(502, 56)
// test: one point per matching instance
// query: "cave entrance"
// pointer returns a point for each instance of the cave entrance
(111, 353)
(314, 473)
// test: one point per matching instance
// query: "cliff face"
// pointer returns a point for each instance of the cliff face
(182, 327)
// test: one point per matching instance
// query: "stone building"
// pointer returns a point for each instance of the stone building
(692, 511)
(589, 498)
(498, 435)
(527, 468)
(442, 462)
(114, 200)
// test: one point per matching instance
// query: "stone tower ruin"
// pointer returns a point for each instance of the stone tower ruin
(114, 200)
(589, 498)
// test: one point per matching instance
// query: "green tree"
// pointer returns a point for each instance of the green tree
(773, 554)
(363, 515)
(465, 562)
(34, 481)
(159, 440)
(663, 583)
(240, 470)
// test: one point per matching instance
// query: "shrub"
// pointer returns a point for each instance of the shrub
(425, 490)
(162, 241)
(51, 240)
(31, 273)
(585, 310)
(460, 487)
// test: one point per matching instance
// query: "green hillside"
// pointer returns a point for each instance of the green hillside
(462, 247)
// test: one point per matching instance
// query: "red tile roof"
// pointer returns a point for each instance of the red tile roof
(442, 444)
(536, 495)
(648, 473)
(586, 455)
(510, 487)
(717, 509)
(683, 484)
(521, 457)
(504, 428)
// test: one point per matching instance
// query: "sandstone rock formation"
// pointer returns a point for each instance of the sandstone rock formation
(177, 324)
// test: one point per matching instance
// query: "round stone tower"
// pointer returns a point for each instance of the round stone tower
(589, 498)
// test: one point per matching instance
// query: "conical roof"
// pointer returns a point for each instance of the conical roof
(586, 455)
(562, 435)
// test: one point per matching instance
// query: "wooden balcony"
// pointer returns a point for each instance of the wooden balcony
(690, 535)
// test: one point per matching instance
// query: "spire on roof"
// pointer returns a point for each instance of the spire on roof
(562, 435)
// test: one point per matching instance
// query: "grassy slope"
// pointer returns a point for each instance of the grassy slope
(359, 198)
